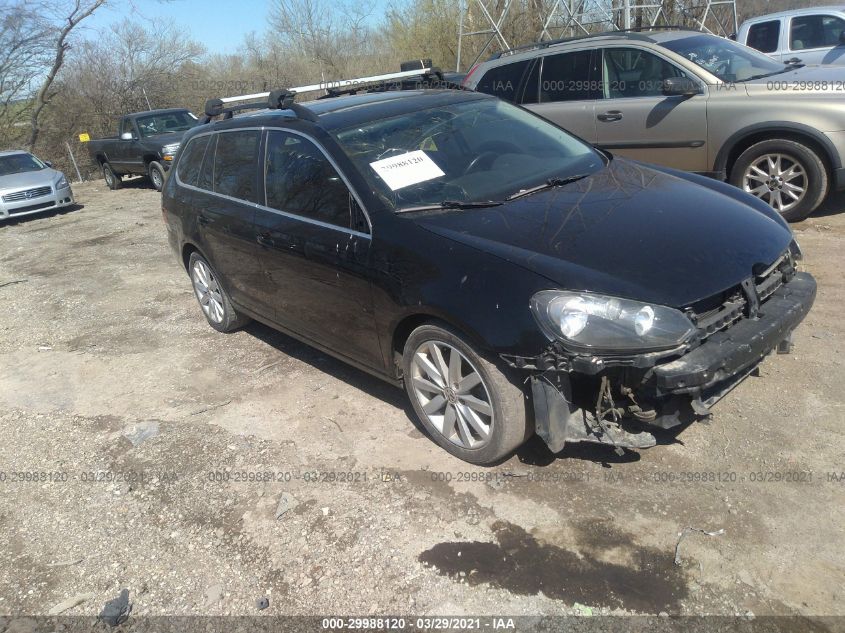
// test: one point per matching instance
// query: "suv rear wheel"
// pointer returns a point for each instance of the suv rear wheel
(467, 405)
(213, 299)
(112, 179)
(788, 176)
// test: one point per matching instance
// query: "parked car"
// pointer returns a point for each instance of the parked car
(513, 278)
(692, 101)
(813, 35)
(145, 145)
(29, 185)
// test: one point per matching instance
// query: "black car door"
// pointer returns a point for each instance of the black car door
(225, 204)
(315, 243)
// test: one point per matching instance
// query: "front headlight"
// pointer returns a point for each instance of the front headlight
(170, 150)
(609, 324)
(62, 183)
(795, 249)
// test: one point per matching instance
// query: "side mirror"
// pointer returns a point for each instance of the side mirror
(48, 163)
(680, 87)
(126, 136)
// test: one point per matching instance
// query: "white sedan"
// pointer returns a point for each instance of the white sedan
(29, 185)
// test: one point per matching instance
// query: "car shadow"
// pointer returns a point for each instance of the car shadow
(535, 452)
(136, 182)
(49, 213)
(335, 368)
(834, 204)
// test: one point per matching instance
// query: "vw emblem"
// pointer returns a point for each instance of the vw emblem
(29, 194)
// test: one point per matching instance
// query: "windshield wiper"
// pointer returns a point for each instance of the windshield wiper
(451, 204)
(786, 69)
(549, 184)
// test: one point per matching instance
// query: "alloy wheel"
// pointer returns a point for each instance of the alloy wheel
(777, 179)
(207, 290)
(155, 176)
(452, 394)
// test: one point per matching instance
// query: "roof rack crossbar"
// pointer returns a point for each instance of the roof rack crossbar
(284, 99)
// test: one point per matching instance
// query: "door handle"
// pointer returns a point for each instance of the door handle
(203, 220)
(611, 115)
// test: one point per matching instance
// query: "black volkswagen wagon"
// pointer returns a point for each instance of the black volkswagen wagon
(513, 278)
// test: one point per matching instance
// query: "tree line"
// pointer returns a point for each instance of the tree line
(58, 80)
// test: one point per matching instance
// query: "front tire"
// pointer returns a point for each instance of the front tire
(466, 403)
(212, 297)
(788, 176)
(155, 172)
(113, 181)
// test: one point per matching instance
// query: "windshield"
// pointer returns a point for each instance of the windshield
(473, 151)
(19, 163)
(166, 123)
(727, 60)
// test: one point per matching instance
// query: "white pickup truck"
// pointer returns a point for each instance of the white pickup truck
(812, 35)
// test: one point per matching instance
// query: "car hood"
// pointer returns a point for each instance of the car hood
(629, 231)
(166, 139)
(28, 179)
(819, 80)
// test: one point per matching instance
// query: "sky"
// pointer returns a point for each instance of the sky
(219, 25)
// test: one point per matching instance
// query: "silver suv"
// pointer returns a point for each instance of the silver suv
(691, 101)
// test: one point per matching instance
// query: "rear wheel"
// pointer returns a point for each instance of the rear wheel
(788, 176)
(112, 179)
(213, 299)
(466, 403)
(156, 174)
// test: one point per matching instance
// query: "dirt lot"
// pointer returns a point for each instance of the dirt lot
(202, 471)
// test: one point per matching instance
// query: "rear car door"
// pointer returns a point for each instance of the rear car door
(814, 39)
(225, 202)
(566, 91)
(635, 119)
(314, 249)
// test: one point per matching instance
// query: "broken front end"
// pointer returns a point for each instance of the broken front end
(619, 368)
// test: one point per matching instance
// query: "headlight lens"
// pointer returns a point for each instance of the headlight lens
(609, 324)
(62, 183)
(170, 149)
(795, 249)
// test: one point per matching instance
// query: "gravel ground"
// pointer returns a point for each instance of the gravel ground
(202, 472)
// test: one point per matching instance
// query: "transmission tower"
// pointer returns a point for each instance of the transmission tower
(487, 19)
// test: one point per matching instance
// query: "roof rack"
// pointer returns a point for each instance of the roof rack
(284, 99)
(564, 40)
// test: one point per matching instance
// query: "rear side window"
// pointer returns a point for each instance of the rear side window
(503, 81)
(568, 77)
(300, 180)
(191, 160)
(815, 31)
(764, 36)
(235, 164)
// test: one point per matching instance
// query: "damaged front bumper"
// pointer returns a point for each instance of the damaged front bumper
(604, 398)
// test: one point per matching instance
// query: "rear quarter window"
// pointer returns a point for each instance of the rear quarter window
(190, 161)
(503, 81)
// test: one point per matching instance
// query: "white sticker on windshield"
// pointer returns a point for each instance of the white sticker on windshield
(406, 169)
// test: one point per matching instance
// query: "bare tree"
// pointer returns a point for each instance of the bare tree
(24, 47)
(71, 16)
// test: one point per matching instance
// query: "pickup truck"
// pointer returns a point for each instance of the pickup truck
(809, 36)
(145, 145)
